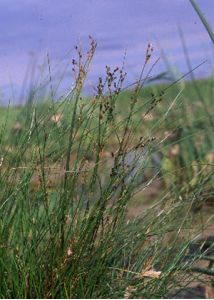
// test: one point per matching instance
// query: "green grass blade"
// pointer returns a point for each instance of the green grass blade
(203, 20)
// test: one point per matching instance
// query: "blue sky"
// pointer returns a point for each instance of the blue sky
(39, 27)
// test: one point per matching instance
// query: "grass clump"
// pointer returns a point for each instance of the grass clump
(70, 171)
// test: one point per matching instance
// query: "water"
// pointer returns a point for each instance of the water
(31, 29)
